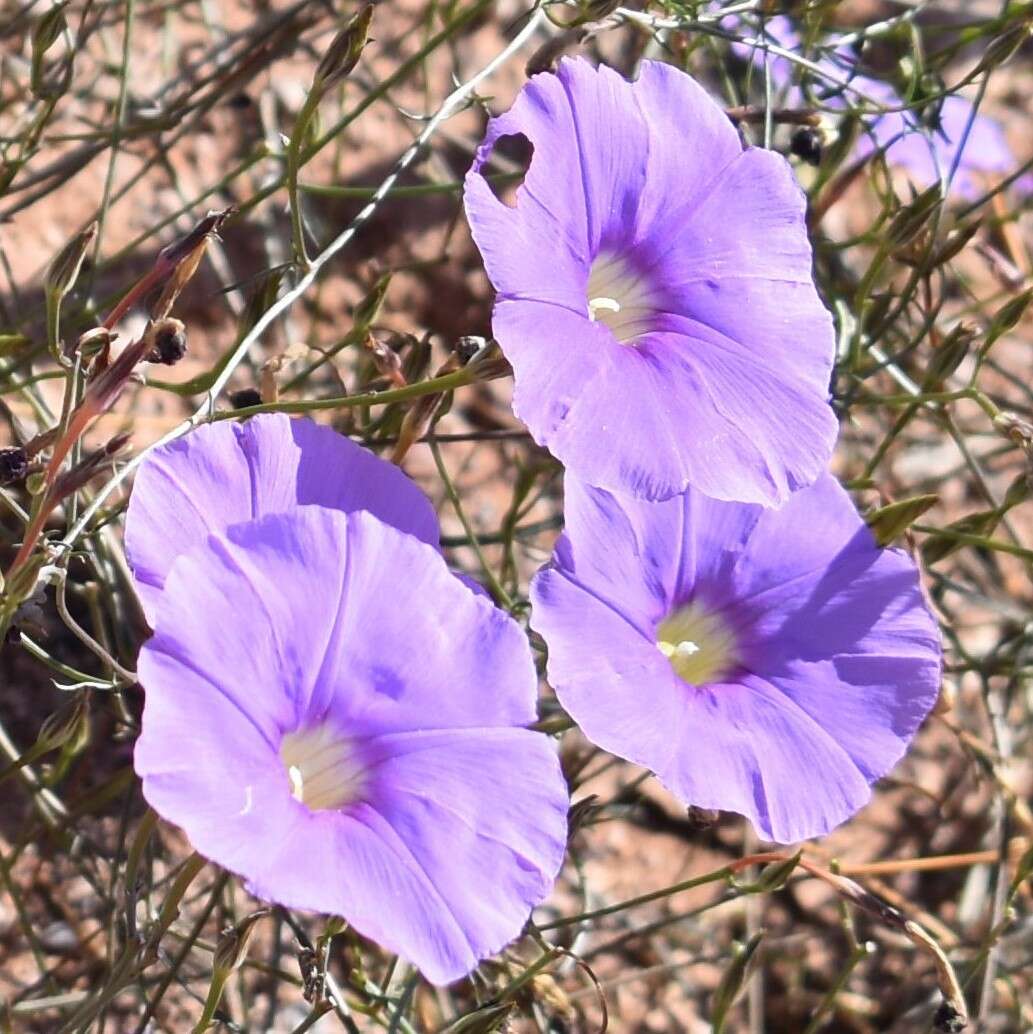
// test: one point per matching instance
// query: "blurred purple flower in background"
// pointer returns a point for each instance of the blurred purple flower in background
(225, 473)
(923, 152)
(768, 662)
(654, 290)
(335, 717)
(927, 153)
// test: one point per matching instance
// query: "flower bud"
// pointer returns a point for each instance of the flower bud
(909, 220)
(367, 310)
(955, 242)
(45, 33)
(485, 1020)
(345, 49)
(888, 523)
(93, 342)
(775, 876)
(12, 343)
(936, 548)
(950, 354)
(69, 725)
(1008, 315)
(231, 950)
(1002, 48)
(64, 269)
(1017, 430)
(733, 980)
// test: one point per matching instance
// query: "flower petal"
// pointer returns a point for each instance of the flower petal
(208, 761)
(608, 674)
(741, 265)
(225, 473)
(682, 121)
(745, 747)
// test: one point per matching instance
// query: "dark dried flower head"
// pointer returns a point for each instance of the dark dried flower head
(701, 819)
(14, 464)
(807, 143)
(245, 398)
(468, 346)
(168, 341)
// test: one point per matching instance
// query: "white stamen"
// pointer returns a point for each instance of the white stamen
(323, 766)
(597, 305)
(698, 643)
(621, 298)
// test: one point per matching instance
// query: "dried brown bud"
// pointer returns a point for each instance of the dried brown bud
(179, 260)
(108, 384)
(807, 143)
(72, 480)
(546, 57)
(701, 819)
(387, 361)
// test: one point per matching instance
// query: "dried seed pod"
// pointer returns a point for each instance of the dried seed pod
(168, 340)
(245, 398)
(14, 464)
(807, 144)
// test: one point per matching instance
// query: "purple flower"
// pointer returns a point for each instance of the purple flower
(924, 153)
(985, 154)
(226, 473)
(768, 662)
(334, 716)
(654, 290)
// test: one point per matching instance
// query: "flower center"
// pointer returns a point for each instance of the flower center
(698, 643)
(323, 766)
(620, 297)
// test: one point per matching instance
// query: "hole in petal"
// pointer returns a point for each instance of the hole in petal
(510, 159)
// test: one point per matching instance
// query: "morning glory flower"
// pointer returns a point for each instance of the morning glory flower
(772, 663)
(334, 716)
(224, 473)
(654, 290)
